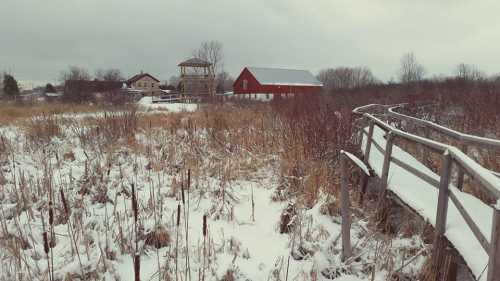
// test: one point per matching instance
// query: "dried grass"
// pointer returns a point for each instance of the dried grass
(43, 128)
(158, 237)
(14, 112)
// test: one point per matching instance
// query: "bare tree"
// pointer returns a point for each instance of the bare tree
(174, 80)
(469, 72)
(411, 70)
(346, 78)
(224, 82)
(363, 76)
(112, 74)
(211, 51)
(74, 73)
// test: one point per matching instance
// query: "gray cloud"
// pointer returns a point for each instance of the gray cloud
(39, 38)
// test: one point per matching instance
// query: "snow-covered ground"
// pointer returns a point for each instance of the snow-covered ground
(99, 238)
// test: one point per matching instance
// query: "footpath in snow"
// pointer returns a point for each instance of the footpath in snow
(423, 198)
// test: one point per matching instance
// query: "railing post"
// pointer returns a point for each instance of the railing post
(363, 185)
(442, 211)
(346, 213)
(386, 167)
(450, 267)
(425, 153)
(461, 174)
(494, 259)
(369, 141)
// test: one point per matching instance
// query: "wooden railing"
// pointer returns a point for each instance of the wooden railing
(450, 155)
(465, 140)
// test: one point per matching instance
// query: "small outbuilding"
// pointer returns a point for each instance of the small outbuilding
(146, 83)
(267, 83)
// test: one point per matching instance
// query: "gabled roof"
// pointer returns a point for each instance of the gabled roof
(195, 62)
(139, 77)
(279, 76)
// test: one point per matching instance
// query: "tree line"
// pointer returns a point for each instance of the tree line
(340, 78)
(410, 72)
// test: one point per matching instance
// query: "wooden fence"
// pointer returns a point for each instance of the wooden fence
(450, 156)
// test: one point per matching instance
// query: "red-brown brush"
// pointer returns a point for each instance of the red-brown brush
(182, 194)
(51, 214)
(134, 203)
(205, 225)
(137, 267)
(178, 215)
(64, 202)
(45, 242)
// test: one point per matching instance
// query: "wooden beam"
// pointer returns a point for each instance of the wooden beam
(442, 212)
(475, 171)
(461, 174)
(378, 147)
(364, 184)
(425, 153)
(386, 166)
(494, 253)
(470, 222)
(423, 176)
(369, 142)
(450, 266)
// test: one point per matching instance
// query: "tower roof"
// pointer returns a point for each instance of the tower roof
(195, 62)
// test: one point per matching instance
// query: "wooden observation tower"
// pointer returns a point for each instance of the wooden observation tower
(197, 77)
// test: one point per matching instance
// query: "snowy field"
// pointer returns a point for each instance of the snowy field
(101, 166)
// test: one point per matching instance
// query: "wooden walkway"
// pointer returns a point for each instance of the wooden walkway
(471, 226)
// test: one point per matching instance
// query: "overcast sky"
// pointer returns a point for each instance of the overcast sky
(39, 38)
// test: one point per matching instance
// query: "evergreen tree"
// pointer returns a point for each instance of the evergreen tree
(49, 88)
(10, 86)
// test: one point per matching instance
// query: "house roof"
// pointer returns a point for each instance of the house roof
(195, 62)
(139, 77)
(279, 76)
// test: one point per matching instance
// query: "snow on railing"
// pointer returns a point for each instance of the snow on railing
(466, 138)
(450, 154)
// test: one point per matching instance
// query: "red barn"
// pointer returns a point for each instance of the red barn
(265, 83)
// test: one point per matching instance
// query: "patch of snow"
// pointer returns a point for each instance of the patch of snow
(358, 162)
(146, 103)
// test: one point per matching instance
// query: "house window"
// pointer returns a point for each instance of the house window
(245, 84)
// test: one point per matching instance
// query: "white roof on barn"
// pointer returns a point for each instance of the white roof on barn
(279, 76)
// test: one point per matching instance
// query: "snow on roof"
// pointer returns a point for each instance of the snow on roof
(279, 76)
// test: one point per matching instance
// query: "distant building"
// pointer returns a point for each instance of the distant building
(146, 83)
(79, 90)
(92, 86)
(267, 83)
(197, 77)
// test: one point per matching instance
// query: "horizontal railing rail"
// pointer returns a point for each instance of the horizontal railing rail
(465, 138)
(488, 182)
